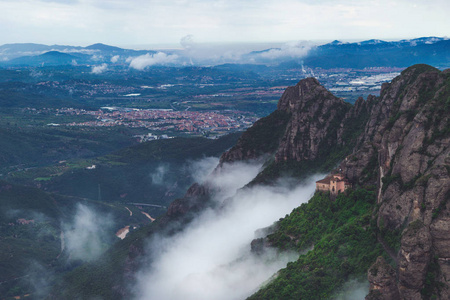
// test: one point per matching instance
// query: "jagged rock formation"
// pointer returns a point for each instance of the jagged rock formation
(307, 120)
(403, 149)
(310, 128)
(316, 116)
(400, 143)
(405, 146)
(195, 199)
(309, 125)
(381, 276)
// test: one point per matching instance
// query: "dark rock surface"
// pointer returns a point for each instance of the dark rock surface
(316, 115)
(401, 144)
(406, 146)
(382, 281)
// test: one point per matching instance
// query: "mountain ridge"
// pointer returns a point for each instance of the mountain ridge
(357, 55)
(394, 149)
(403, 149)
(404, 152)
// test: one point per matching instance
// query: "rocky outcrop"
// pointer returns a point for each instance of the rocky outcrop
(405, 150)
(414, 259)
(195, 199)
(316, 117)
(308, 125)
(261, 139)
(382, 278)
(399, 142)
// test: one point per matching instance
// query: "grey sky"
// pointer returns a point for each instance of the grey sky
(133, 22)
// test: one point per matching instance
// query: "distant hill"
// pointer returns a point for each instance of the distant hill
(33, 243)
(371, 53)
(377, 53)
(337, 54)
(51, 58)
(103, 47)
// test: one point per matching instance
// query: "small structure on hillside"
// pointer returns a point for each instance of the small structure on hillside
(335, 184)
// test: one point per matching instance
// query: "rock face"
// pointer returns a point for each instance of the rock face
(399, 142)
(195, 199)
(308, 124)
(414, 259)
(316, 116)
(405, 150)
(382, 281)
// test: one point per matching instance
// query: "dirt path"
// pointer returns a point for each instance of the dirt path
(148, 216)
(131, 213)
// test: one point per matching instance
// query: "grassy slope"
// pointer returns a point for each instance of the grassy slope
(344, 246)
(22, 246)
(40, 146)
(126, 175)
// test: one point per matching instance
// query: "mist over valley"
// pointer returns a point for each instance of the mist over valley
(233, 150)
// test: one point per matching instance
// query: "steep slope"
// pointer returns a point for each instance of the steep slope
(408, 136)
(395, 151)
(310, 131)
(36, 238)
(403, 155)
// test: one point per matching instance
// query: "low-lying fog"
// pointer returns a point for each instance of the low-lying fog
(211, 257)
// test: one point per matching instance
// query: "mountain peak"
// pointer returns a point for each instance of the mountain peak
(336, 42)
(306, 90)
(373, 42)
(56, 54)
(103, 47)
(418, 69)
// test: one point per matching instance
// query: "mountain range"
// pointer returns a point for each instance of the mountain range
(365, 54)
(390, 229)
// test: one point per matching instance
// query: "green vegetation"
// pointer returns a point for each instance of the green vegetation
(23, 146)
(344, 246)
(417, 70)
(155, 172)
(30, 228)
(96, 279)
(264, 136)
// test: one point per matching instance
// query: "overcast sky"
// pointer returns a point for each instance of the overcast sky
(140, 22)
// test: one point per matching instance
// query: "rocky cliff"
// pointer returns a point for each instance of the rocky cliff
(398, 142)
(404, 149)
(310, 130)
(315, 117)
(307, 121)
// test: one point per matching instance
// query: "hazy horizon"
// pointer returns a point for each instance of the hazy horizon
(138, 22)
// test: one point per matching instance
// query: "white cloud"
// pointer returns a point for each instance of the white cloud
(97, 57)
(293, 50)
(99, 69)
(147, 60)
(211, 258)
(85, 238)
(158, 176)
(201, 169)
(115, 59)
(187, 41)
(129, 22)
(39, 278)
